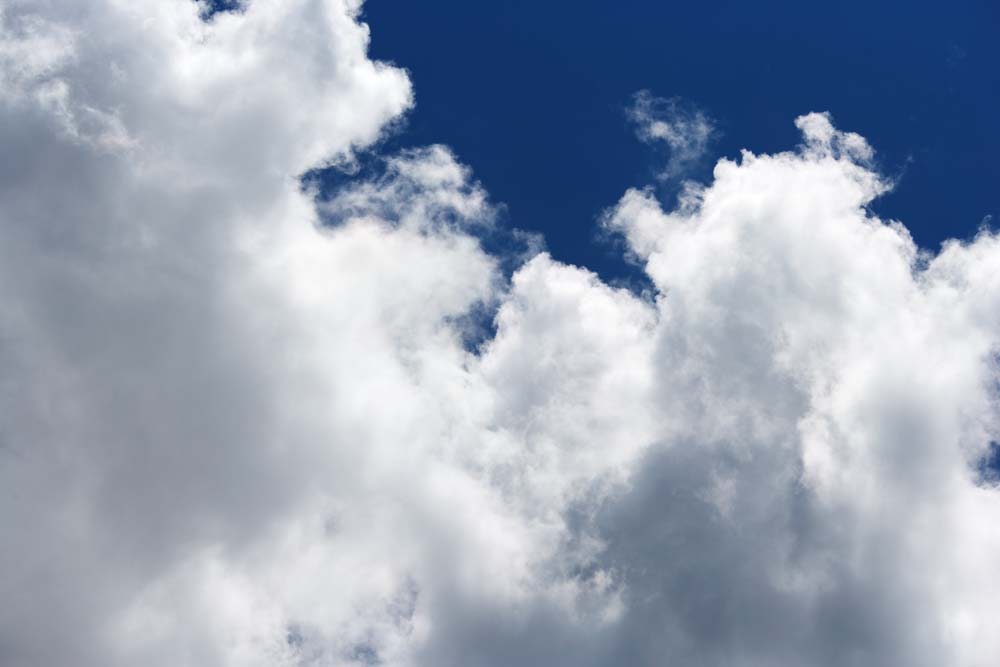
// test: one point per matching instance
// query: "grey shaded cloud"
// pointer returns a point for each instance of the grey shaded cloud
(234, 434)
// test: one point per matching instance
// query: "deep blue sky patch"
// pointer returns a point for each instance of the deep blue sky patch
(532, 96)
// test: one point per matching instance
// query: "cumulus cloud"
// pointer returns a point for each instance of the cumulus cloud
(685, 130)
(240, 426)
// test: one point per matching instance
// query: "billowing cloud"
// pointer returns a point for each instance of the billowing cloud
(685, 130)
(240, 426)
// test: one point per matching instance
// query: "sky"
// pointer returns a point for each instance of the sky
(343, 334)
(553, 80)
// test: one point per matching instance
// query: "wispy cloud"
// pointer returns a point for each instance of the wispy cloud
(685, 130)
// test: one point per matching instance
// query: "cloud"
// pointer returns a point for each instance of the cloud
(685, 130)
(241, 426)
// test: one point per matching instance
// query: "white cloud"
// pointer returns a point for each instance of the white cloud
(685, 129)
(232, 436)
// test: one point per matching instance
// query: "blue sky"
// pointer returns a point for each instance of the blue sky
(532, 95)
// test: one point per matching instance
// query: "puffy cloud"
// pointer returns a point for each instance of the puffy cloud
(834, 388)
(685, 130)
(241, 426)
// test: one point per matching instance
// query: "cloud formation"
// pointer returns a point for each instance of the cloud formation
(234, 434)
(685, 130)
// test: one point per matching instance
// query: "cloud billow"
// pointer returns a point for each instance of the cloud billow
(234, 434)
